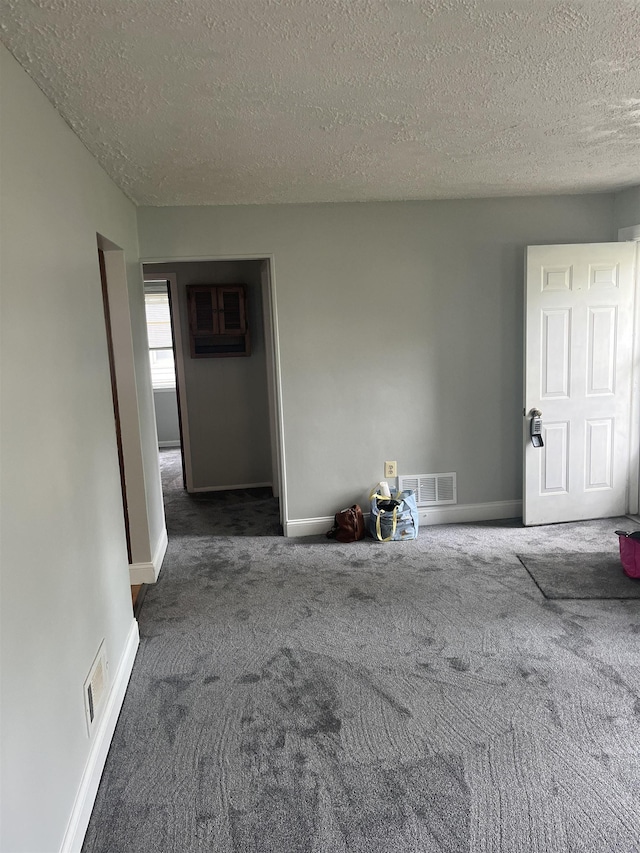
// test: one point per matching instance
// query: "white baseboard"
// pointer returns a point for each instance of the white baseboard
(468, 513)
(85, 798)
(307, 526)
(148, 572)
(169, 443)
(230, 488)
(449, 514)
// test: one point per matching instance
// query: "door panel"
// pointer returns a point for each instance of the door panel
(555, 459)
(579, 327)
(555, 353)
(599, 454)
(603, 322)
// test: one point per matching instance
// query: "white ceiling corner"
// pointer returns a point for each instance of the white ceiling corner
(267, 101)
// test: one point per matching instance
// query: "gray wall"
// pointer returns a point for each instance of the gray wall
(627, 208)
(65, 577)
(226, 397)
(165, 402)
(400, 331)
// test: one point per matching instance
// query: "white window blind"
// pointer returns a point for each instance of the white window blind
(156, 305)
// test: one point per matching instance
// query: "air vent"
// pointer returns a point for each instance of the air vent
(96, 687)
(431, 489)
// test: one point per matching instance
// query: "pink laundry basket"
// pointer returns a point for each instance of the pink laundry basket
(630, 552)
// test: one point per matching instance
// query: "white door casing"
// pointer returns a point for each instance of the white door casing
(632, 233)
(578, 365)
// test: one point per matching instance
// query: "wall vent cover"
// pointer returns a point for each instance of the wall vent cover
(96, 687)
(431, 489)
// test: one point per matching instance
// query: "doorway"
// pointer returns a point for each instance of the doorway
(228, 407)
(162, 362)
(578, 381)
(144, 553)
(114, 396)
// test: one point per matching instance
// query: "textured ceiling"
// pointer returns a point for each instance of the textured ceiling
(257, 101)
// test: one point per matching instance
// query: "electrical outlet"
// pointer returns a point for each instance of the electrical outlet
(390, 469)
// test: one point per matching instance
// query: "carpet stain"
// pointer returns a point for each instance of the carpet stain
(359, 595)
(458, 664)
(461, 712)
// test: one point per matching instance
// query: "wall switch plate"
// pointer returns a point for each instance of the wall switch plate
(390, 469)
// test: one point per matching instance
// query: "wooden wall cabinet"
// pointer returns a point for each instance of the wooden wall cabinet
(218, 326)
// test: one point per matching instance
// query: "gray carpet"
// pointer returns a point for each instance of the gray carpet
(302, 696)
(579, 575)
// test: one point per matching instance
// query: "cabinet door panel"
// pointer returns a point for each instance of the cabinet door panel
(203, 311)
(231, 311)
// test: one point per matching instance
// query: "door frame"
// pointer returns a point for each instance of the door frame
(632, 234)
(114, 394)
(146, 557)
(181, 385)
(273, 369)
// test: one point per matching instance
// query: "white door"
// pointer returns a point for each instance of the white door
(578, 348)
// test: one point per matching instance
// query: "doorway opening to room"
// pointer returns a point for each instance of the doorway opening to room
(164, 381)
(145, 549)
(162, 363)
(218, 362)
(114, 393)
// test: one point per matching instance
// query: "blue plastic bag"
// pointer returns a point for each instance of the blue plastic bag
(393, 519)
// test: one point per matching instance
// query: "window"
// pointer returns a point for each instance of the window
(156, 304)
